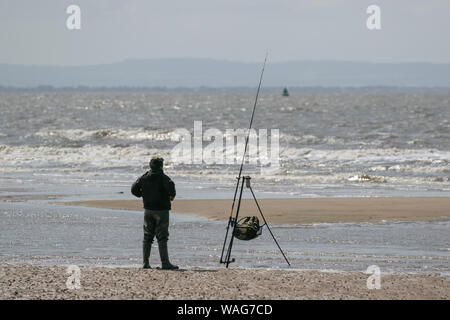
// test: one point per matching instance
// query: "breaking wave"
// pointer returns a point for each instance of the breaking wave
(92, 135)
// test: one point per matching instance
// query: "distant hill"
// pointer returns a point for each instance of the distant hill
(190, 72)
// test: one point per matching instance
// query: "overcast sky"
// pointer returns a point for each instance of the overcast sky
(35, 32)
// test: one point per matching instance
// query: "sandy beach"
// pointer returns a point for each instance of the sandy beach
(29, 281)
(303, 211)
(38, 282)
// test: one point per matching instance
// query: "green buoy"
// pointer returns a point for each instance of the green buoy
(285, 92)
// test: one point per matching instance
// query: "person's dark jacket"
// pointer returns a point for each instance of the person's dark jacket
(155, 188)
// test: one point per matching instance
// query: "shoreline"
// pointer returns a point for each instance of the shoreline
(301, 210)
(49, 282)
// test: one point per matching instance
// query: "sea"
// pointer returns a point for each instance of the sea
(57, 147)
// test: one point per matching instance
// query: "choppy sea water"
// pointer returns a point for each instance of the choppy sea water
(330, 144)
(93, 146)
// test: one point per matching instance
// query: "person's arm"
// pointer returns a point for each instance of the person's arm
(169, 185)
(136, 188)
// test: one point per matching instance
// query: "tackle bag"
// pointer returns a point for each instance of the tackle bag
(247, 228)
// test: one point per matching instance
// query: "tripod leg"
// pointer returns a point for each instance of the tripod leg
(268, 228)
(228, 257)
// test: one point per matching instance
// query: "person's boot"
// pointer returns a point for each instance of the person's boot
(146, 249)
(164, 254)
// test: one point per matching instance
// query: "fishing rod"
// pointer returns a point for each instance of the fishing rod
(231, 221)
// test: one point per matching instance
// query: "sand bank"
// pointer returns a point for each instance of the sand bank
(300, 211)
(37, 282)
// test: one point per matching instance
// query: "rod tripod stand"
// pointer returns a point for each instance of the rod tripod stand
(233, 222)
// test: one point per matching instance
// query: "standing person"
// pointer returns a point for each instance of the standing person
(157, 191)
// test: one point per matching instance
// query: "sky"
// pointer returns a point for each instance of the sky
(35, 32)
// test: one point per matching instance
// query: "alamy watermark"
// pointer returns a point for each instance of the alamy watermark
(374, 281)
(226, 147)
(73, 21)
(74, 280)
(373, 22)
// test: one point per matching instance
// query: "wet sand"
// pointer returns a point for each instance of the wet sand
(303, 211)
(38, 282)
